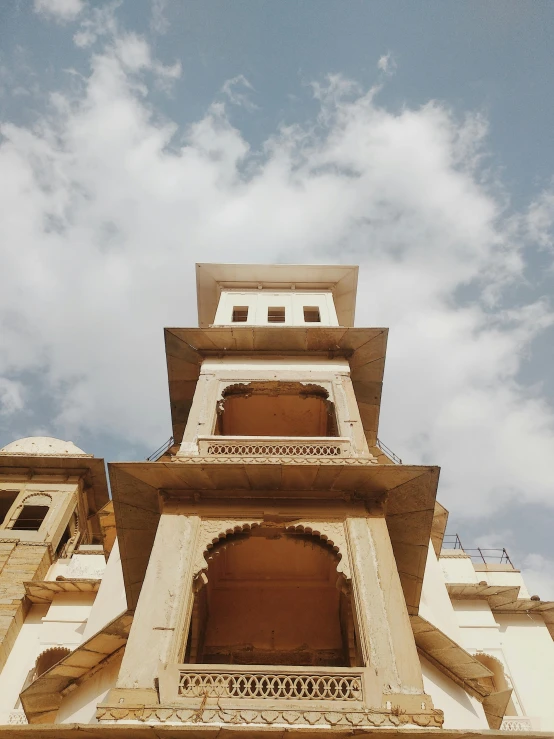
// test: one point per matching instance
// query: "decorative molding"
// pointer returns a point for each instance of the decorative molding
(336, 686)
(296, 460)
(516, 723)
(332, 533)
(213, 531)
(17, 717)
(257, 449)
(264, 717)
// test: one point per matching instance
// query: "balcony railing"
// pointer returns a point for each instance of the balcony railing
(478, 555)
(241, 685)
(274, 446)
(518, 723)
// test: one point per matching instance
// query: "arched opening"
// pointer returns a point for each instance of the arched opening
(275, 409)
(48, 659)
(272, 598)
(498, 682)
(30, 515)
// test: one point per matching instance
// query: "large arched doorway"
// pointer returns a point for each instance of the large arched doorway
(273, 598)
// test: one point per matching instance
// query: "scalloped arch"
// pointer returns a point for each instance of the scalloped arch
(214, 534)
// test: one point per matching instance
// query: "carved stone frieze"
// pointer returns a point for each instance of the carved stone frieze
(253, 716)
(221, 459)
(214, 530)
(217, 530)
(332, 532)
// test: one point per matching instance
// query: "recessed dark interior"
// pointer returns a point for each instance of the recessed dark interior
(311, 314)
(30, 518)
(240, 314)
(7, 499)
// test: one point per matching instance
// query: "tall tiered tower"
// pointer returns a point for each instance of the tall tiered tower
(273, 555)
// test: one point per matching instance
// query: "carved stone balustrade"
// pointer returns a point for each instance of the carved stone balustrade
(518, 723)
(276, 695)
(274, 446)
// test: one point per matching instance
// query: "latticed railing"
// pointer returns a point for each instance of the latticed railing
(516, 723)
(279, 686)
(241, 686)
(275, 447)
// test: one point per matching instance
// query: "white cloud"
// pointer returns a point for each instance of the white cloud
(540, 219)
(538, 574)
(107, 206)
(59, 10)
(387, 64)
(236, 91)
(159, 22)
(11, 396)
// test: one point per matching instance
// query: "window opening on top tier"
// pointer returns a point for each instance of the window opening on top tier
(270, 408)
(7, 499)
(30, 518)
(311, 314)
(240, 314)
(275, 315)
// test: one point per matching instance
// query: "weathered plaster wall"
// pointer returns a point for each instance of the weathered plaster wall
(21, 660)
(461, 711)
(110, 601)
(457, 566)
(529, 652)
(79, 706)
(79, 566)
(435, 605)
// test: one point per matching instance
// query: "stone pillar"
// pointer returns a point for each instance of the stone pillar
(385, 634)
(162, 611)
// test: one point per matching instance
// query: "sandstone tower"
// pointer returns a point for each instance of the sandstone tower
(271, 568)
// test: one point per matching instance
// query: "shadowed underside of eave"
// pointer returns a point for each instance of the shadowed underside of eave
(365, 349)
(91, 469)
(410, 493)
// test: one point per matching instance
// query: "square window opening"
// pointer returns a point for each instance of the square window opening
(7, 499)
(30, 518)
(240, 314)
(276, 315)
(311, 314)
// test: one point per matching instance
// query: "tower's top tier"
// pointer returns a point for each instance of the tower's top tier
(276, 294)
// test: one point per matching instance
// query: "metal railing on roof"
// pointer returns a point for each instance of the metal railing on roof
(384, 448)
(161, 450)
(496, 555)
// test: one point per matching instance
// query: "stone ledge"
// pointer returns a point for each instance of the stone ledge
(263, 718)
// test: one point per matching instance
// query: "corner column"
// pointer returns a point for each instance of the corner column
(162, 611)
(385, 634)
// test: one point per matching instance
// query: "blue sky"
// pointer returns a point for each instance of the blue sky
(412, 138)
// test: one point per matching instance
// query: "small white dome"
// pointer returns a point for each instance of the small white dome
(42, 445)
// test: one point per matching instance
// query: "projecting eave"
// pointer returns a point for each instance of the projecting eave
(409, 491)
(340, 278)
(91, 469)
(365, 349)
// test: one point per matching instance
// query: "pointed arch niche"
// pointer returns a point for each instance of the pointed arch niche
(272, 595)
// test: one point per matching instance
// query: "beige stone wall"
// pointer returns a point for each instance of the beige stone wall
(20, 562)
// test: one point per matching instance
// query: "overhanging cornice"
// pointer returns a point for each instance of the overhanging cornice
(365, 349)
(410, 493)
(42, 699)
(342, 279)
(504, 599)
(91, 469)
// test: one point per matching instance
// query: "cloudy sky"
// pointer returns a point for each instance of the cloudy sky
(413, 139)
